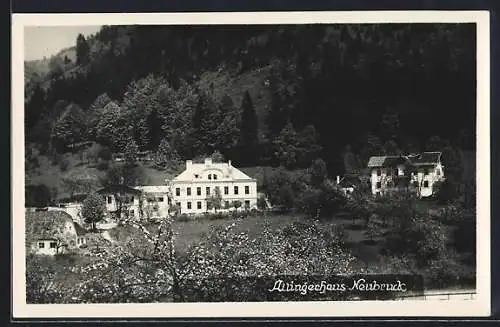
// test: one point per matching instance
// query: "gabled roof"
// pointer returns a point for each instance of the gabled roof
(112, 189)
(45, 224)
(386, 161)
(228, 172)
(426, 158)
(80, 230)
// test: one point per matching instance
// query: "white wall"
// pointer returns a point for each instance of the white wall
(434, 174)
(194, 198)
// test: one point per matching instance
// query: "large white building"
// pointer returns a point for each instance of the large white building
(196, 186)
(419, 172)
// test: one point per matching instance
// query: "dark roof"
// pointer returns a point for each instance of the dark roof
(80, 230)
(426, 158)
(386, 161)
(45, 224)
(112, 189)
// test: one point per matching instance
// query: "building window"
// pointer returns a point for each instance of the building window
(379, 185)
(198, 190)
(396, 171)
(160, 199)
(247, 204)
(188, 191)
(215, 176)
(226, 190)
(53, 245)
(207, 190)
(426, 183)
(110, 200)
(41, 245)
(132, 199)
(131, 212)
(209, 176)
(236, 190)
(177, 191)
(178, 204)
(198, 204)
(189, 205)
(196, 176)
(247, 189)
(438, 172)
(379, 172)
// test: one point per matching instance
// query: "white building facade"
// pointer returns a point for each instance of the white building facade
(195, 188)
(139, 202)
(389, 172)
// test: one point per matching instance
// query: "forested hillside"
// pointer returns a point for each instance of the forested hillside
(275, 95)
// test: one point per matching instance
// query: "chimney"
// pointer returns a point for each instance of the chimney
(189, 163)
(229, 163)
(338, 179)
(208, 161)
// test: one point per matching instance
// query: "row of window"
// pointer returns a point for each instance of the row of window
(208, 190)
(395, 171)
(425, 185)
(52, 245)
(189, 204)
(131, 200)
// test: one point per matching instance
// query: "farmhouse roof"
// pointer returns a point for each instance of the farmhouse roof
(422, 159)
(45, 224)
(80, 230)
(386, 161)
(228, 171)
(426, 158)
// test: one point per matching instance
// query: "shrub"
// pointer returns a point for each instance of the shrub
(64, 164)
(103, 165)
(183, 217)
(447, 271)
(104, 153)
(322, 202)
(464, 235)
(261, 203)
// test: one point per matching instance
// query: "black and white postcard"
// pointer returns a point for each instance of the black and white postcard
(270, 164)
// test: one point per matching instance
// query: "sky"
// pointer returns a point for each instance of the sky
(45, 41)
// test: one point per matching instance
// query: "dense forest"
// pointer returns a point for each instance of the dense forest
(261, 95)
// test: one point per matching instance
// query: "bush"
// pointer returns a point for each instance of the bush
(322, 202)
(103, 165)
(104, 153)
(64, 164)
(464, 235)
(183, 217)
(448, 271)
